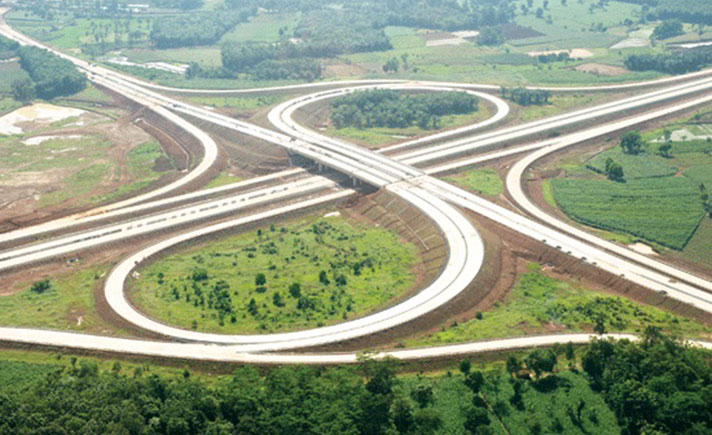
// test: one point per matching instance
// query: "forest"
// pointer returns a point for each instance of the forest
(677, 62)
(393, 109)
(690, 11)
(656, 386)
(52, 75)
(188, 30)
(8, 48)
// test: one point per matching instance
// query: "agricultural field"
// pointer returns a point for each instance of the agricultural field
(9, 73)
(659, 202)
(484, 181)
(539, 304)
(307, 273)
(666, 211)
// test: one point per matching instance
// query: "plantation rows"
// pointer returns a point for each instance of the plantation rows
(666, 211)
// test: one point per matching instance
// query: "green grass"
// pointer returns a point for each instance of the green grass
(7, 105)
(70, 298)
(538, 304)
(701, 174)
(239, 104)
(661, 210)
(9, 73)
(484, 181)
(263, 28)
(643, 165)
(379, 136)
(222, 179)
(296, 252)
(699, 248)
(559, 104)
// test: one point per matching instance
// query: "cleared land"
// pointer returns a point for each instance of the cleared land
(72, 158)
(306, 273)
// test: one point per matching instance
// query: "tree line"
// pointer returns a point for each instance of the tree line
(187, 30)
(658, 385)
(689, 11)
(677, 62)
(394, 109)
(51, 75)
(526, 97)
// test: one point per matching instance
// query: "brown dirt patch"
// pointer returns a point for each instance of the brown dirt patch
(344, 70)
(601, 69)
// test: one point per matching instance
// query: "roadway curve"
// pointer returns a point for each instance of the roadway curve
(648, 276)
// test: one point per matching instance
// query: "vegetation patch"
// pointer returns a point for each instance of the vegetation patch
(395, 109)
(539, 304)
(484, 181)
(661, 210)
(642, 165)
(305, 274)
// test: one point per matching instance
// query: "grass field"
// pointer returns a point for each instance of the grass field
(215, 287)
(222, 179)
(68, 305)
(263, 28)
(484, 181)
(644, 165)
(539, 304)
(378, 136)
(239, 104)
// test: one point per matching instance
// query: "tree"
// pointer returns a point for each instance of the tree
(490, 36)
(323, 278)
(632, 142)
(402, 416)
(539, 12)
(427, 421)
(668, 29)
(513, 365)
(664, 150)
(476, 418)
(260, 279)
(277, 300)
(541, 361)
(295, 290)
(614, 170)
(23, 90)
(392, 65)
(474, 381)
(41, 286)
(465, 366)
(422, 394)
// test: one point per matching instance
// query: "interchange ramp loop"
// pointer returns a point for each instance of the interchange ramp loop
(463, 264)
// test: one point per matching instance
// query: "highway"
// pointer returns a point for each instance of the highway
(398, 175)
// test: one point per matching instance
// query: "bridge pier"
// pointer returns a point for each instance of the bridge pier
(355, 182)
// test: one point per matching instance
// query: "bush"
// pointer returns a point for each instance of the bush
(40, 287)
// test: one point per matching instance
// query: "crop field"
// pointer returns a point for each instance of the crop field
(643, 165)
(484, 181)
(539, 304)
(660, 210)
(307, 273)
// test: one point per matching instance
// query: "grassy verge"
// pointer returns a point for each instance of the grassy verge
(307, 273)
(539, 304)
(484, 181)
(222, 179)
